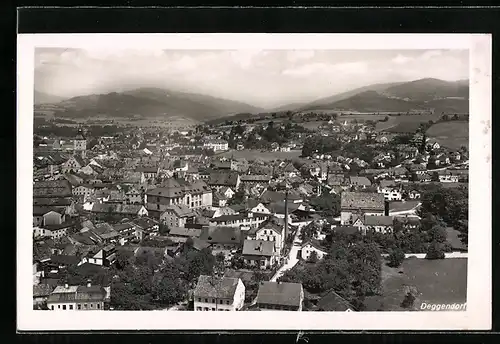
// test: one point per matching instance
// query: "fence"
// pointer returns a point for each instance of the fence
(422, 255)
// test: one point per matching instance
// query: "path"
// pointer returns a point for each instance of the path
(292, 259)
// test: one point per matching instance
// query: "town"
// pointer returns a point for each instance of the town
(248, 214)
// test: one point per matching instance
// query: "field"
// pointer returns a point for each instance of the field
(404, 123)
(450, 134)
(257, 154)
(436, 281)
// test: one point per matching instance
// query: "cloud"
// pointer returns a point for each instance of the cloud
(245, 58)
(430, 54)
(325, 68)
(401, 59)
(298, 55)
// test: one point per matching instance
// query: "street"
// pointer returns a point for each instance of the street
(292, 259)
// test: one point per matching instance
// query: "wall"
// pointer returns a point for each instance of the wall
(422, 255)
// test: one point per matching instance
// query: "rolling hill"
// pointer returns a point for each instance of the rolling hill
(149, 103)
(45, 98)
(424, 94)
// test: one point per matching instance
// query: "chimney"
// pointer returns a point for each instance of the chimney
(66, 286)
(89, 284)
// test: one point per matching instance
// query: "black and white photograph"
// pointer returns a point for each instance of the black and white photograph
(172, 180)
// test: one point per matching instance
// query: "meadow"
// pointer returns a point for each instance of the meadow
(453, 134)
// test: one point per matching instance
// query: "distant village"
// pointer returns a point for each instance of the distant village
(195, 219)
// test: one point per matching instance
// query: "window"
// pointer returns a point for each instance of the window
(64, 307)
(52, 307)
(198, 308)
(213, 309)
(206, 300)
(206, 309)
(199, 299)
(79, 306)
(58, 306)
(227, 302)
(227, 310)
(213, 301)
(85, 305)
(70, 306)
(91, 305)
(221, 301)
(98, 306)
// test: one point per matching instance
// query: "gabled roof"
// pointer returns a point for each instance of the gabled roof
(273, 223)
(280, 293)
(355, 180)
(221, 235)
(373, 220)
(315, 244)
(180, 210)
(220, 288)
(258, 248)
(185, 232)
(362, 200)
(223, 178)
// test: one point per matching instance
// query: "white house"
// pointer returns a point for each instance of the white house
(380, 224)
(447, 177)
(227, 192)
(216, 145)
(218, 294)
(272, 230)
(311, 246)
(390, 190)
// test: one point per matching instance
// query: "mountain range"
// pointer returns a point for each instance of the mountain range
(424, 94)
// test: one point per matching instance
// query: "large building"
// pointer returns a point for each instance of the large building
(72, 298)
(80, 144)
(216, 145)
(195, 195)
(219, 294)
(280, 296)
(360, 203)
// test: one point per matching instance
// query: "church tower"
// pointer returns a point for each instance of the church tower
(80, 143)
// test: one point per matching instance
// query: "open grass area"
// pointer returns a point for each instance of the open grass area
(252, 154)
(402, 206)
(404, 123)
(436, 281)
(452, 134)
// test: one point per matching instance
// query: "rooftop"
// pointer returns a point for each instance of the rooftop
(220, 288)
(280, 293)
(362, 200)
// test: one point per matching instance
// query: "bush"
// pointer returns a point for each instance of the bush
(396, 257)
(435, 251)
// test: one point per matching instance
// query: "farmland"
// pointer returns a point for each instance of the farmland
(452, 134)
(404, 123)
(252, 154)
(436, 281)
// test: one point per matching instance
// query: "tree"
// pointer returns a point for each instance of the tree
(435, 177)
(435, 251)
(396, 257)
(408, 301)
(437, 234)
(313, 258)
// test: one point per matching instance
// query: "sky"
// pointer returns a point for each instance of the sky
(264, 78)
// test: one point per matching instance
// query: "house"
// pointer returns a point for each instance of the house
(417, 169)
(83, 190)
(133, 196)
(78, 297)
(311, 246)
(73, 164)
(290, 171)
(145, 227)
(53, 188)
(103, 257)
(177, 215)
(333, 302)
(227, 192)
(239, 220)
(390, 190)
(216, 145)
(218, 294)
(103, 209)
(379, 224)
(195, 195)
(255, 179)
(43, 215)
(361, 182)
(432, 145)
(446, 176)
(259, 253)
(272, 230)
(148, 172)
(257, 207)
(414, 194)
(58, 231)
(368, 203)
(222, 239)
(183, 232)
(337, 180)
(224, 179)
(41, 293)
(280, 296)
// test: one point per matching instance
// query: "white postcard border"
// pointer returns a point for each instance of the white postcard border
(478, 314)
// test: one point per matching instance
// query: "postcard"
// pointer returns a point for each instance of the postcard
(297, 181)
